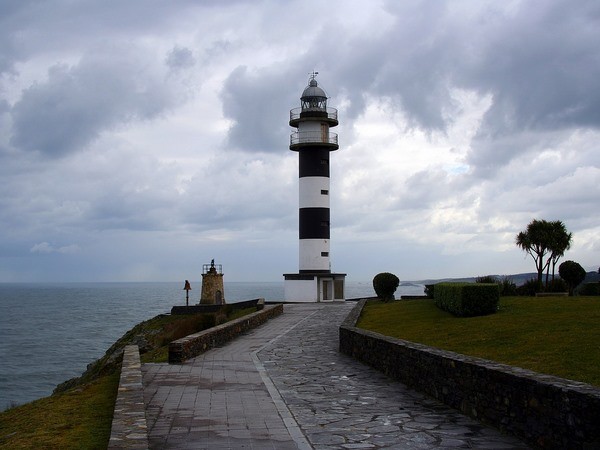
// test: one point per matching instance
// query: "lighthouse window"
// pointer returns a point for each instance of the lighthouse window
(324, 224)
(324, 192)
(324, 162)
(324, 253)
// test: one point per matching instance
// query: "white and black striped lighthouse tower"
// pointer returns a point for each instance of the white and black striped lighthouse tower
(313, 141)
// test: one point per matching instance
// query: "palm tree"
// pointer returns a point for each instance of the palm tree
(541, 239)
(561, 241)
(536, 240)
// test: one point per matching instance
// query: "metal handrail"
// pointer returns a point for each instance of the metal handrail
(332, 113)
(313, 137)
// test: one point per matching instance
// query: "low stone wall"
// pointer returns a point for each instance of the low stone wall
(195, 344)
(200, 309)
(129, 429)
(545, 411)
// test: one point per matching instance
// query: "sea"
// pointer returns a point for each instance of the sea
(50, 332)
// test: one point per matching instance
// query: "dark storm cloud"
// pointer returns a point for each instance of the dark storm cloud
(70, 109)
(29, 27)
(10, 22)
(543, 70)
(540, 63)
(537, 60)
(256, 103)
(411, 64)
(180, 58)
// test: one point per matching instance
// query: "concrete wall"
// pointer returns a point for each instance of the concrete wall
(301, 290)
(545, 411)
(197, 343)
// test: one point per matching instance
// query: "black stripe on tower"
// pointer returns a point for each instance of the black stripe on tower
(314, 223)
(313, 162)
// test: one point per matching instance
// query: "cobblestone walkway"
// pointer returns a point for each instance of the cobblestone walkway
(340, 403)
(285, 386)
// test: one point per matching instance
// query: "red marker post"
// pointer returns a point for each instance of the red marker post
(187, 288)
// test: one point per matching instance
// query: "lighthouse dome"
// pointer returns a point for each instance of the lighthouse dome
(313, 90)
(313, 97)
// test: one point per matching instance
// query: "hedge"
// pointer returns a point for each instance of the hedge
(467, 299)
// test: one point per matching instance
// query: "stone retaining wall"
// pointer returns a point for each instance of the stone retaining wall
(129, 429)
(201, 309)
(195, 344)
(545, 411)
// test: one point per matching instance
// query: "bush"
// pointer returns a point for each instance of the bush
(588, 289)
(529, 288)
(572, 273)
(385, 284)
(467, 299)
(557, 285)
(505, 284)
(429, 289)
(507, 287)
(486, 279)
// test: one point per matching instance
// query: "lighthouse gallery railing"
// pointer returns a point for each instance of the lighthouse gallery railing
(332, 113)
(313, 137)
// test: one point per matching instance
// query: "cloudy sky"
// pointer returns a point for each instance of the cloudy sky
(141, 139)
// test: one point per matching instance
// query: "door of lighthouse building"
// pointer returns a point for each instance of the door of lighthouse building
(326, 289)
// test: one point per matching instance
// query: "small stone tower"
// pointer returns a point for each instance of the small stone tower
(313, 141)
(212, 285)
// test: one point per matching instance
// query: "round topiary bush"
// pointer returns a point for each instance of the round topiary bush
(572, 273)
(385, 284)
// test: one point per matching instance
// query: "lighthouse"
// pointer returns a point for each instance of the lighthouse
(314, 282)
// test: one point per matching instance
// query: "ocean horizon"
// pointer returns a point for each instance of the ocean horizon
(50, 332)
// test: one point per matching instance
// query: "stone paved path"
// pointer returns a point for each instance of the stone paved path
(285, 386)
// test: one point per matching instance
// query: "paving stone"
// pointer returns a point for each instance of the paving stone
(347, 399)
(285, 386)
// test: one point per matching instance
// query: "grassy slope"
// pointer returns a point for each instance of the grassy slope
(79, 414)
(76, 419)
(557, 335)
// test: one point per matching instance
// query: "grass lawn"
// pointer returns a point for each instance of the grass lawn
(553, 335)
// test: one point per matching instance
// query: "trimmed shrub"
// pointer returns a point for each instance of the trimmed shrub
(572, 273)
(385, 284)
(467, 299)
